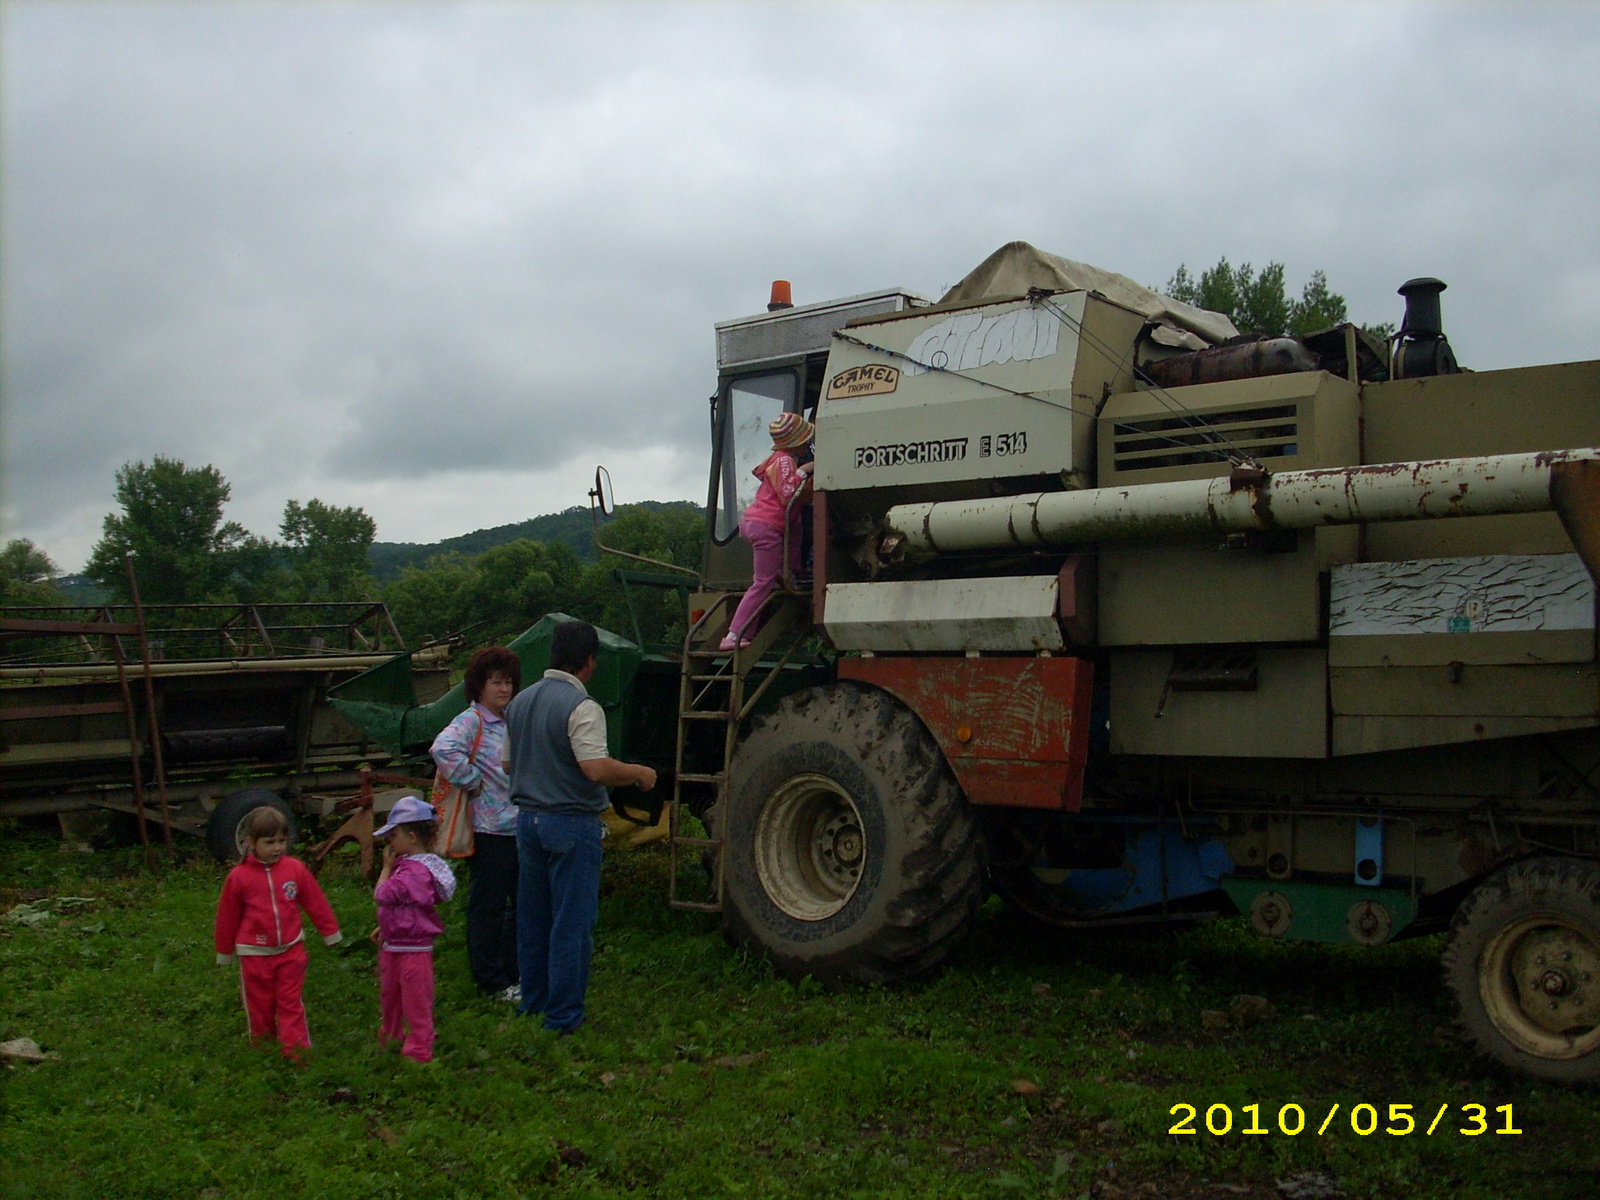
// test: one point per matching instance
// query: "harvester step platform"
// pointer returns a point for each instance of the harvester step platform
(721, 715)
(690, 777)
(692, 906)
(685, 840)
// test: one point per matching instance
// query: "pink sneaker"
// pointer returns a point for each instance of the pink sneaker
(728, 644)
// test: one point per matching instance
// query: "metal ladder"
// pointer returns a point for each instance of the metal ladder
(711, 688)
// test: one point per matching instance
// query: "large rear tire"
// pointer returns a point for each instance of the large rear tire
(851, 853)
(1523, 960)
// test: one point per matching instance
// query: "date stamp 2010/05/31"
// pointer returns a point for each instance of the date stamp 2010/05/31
(1363, 1120)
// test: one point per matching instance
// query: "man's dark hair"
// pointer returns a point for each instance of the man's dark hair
(572, 645)
(492, 660)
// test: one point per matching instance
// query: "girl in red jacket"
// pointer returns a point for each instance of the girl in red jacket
(258, 926)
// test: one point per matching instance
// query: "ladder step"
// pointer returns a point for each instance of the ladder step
(691, 906)
(724, 678)
(687, 777)
(704, 716)
(685, 840)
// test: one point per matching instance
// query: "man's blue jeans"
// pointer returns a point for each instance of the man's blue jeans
(558, 898)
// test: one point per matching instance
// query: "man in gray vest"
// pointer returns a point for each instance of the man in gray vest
(560, 769)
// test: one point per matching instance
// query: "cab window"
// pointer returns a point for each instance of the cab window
(751, 404)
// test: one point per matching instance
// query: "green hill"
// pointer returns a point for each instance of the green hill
(573, 526)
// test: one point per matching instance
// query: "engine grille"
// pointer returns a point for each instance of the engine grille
(1268, 432)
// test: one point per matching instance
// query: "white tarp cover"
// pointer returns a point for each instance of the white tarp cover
(1017, 266)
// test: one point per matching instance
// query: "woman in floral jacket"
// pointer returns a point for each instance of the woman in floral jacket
(469, 752)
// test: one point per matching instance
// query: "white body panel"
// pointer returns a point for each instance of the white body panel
(945, 614)
(886, 420)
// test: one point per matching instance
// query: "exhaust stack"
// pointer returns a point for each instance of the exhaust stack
(1423, 349)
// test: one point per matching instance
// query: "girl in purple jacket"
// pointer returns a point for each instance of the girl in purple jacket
(411, 883)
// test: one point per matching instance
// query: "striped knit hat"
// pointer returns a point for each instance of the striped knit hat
(790, 431)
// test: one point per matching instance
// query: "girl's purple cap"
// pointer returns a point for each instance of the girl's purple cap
(406, 810)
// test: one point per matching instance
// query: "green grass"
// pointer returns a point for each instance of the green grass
(701, 1074)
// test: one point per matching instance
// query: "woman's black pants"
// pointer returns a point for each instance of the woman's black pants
(492, 911)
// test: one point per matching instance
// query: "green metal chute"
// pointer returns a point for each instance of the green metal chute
(382, 702)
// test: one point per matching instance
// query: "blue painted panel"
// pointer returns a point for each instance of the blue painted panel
(1099, 889)
(1191, 869)
(1369, 851)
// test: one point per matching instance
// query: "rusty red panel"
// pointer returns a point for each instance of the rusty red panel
(1014, 730)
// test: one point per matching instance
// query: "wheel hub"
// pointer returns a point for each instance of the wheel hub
(810, 846)
(1540, 982)
(843, 840)
(1271, 914)
(1554, 983)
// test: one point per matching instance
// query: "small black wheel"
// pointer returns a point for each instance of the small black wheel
(852, 854)
(223, 826)
(1523, 961)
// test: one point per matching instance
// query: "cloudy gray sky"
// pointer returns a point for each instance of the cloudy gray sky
(440, 259)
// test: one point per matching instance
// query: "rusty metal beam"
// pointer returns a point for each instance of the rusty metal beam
(212, 666)
(152, 721)
(23, 625)
(59, 710)
(1249, 499)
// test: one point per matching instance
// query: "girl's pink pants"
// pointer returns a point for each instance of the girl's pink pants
(405, 999)
(766, 544)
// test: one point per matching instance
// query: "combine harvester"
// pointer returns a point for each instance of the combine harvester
(1135, 619)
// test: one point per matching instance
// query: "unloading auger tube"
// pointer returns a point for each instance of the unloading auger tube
(1566, 481)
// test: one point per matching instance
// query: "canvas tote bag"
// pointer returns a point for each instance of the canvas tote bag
(453, 805)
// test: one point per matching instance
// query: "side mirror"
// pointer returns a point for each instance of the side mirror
(602, 504)
(600, 495)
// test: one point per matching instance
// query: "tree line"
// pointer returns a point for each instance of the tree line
(170, 518)
(1259, 301)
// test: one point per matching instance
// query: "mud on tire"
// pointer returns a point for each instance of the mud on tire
(851, 851)
(1523, 961)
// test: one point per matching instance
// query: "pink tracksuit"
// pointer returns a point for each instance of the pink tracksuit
(762, 527)
(407, 924)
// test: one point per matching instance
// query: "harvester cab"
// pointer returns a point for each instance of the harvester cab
(768, 364)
